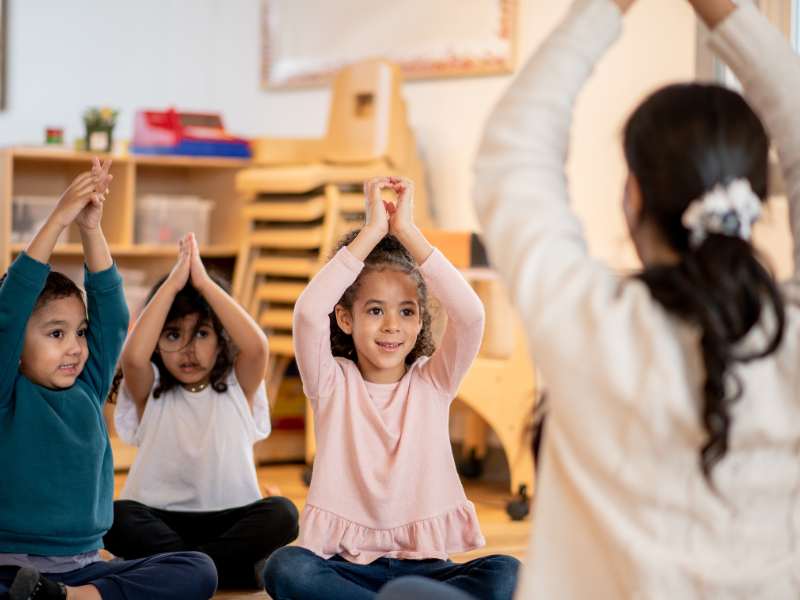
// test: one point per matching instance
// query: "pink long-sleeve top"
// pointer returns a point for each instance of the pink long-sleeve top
(385, 482)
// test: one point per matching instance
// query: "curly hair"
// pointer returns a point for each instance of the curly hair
(388, 254)
(187, 302)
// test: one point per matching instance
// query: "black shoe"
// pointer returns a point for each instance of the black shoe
(29, 584)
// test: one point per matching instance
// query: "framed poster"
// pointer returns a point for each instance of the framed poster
(305, 41)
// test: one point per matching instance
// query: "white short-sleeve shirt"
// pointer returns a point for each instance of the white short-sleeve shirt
(195, 449)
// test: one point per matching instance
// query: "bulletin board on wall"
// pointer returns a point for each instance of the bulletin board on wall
(304, 43)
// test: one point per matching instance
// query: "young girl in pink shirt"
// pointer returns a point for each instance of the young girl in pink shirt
(385, 499)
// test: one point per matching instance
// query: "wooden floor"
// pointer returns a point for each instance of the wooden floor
(503, 536)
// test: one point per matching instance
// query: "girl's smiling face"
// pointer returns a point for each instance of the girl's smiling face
(384, 323)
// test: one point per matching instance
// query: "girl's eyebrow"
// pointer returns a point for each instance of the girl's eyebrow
(382, 302)
(61, 323)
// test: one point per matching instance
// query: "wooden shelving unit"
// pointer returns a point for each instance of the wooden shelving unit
(42, 171)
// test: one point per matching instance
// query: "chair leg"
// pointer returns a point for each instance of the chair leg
(275, 372)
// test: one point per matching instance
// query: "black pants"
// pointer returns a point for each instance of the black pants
(235, 538)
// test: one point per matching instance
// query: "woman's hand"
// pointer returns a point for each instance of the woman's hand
(624, 5)
(713, 12)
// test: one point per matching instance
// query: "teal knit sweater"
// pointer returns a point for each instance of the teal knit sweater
(56, 469)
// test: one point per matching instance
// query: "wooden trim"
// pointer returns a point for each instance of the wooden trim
(61, 154)
(140, 250)
(6, 177)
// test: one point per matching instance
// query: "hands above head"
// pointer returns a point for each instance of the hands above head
(188, 266)
(82, 194)
(389, 217)
(90, 216)
(401, 214)
(624, 5)
(181, 271)
(713, 12)
(396, 218)
(199, 275)
(376, 210)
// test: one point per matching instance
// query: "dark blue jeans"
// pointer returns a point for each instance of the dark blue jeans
(173, 576)
(294, 573)
(419, 588)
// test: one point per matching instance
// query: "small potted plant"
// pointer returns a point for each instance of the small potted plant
(99, 124)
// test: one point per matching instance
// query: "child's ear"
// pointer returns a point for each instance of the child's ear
(344, 319)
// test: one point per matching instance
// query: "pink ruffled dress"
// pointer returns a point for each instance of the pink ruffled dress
(385, 482)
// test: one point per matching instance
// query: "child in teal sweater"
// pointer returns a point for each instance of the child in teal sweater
(56, 366)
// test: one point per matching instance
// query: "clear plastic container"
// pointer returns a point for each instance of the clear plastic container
(164, 219)
(28, 214)
(136, 290)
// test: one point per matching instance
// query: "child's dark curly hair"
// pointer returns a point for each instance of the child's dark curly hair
(388, 254)
(190, 302)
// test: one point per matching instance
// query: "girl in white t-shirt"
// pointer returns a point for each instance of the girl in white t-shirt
(195, 407)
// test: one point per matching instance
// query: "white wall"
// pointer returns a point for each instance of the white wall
(204, 54)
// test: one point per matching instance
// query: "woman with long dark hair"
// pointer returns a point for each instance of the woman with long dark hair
(671, 460)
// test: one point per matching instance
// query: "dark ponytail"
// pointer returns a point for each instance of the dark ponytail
(679, 144)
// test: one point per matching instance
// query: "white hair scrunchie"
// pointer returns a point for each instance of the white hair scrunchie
(726, 210)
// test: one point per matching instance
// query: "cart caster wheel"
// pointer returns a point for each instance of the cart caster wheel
(472, 468)
(306, 475)
(520, 506)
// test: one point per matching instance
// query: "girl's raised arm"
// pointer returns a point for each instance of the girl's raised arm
(251, 362)
(95, 248)
(142, 341)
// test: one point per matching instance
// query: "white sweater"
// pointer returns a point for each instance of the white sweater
(622, 508)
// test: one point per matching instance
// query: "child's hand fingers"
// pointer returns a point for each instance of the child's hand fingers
(84, 191)
(81, 179)
(373, 186)
(104, 181)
